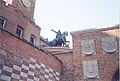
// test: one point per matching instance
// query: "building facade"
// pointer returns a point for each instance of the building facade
(96, 54)
(26, 56)
(21, 59)
(94, 57)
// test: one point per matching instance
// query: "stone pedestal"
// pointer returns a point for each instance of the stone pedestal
(58, 50)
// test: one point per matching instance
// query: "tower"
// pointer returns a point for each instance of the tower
(16, 17)
(21, 59)
(26, 7)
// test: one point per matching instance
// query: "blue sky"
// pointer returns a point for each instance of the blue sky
(73, 15)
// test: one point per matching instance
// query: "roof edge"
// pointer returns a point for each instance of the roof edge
(93, 29)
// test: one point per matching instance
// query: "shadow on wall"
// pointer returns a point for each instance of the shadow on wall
(116, 35)
(116, 76)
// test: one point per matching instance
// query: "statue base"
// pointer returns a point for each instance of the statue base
(58, 50)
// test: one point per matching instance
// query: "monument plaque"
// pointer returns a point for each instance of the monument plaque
(109, 44)
(90, 69)
(88, 46)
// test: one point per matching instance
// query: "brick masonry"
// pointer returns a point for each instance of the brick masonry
(19, 15)
(65, 55)
(107, 62)
(20, 61)
(67, 66)
(73, 60)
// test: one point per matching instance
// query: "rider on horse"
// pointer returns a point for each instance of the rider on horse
(60, 38)
(58, 34)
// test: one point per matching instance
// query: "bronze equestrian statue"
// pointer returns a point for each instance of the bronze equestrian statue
(60, 39)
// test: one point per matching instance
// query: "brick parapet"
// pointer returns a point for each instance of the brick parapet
(21, 48)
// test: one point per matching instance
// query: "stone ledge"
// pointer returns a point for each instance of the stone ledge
(58, 50)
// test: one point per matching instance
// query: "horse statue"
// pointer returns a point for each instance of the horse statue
(60, 39)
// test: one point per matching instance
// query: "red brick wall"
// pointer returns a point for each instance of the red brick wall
(18, 53)
(14, 16)
(30, 13)
(32, 30)
(66, 56)
(16, 47)
(18, 5)
(72, 61)
(67, 66)
(107, 63)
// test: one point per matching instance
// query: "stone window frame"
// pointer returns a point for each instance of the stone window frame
(21, 29)
(4, 22)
